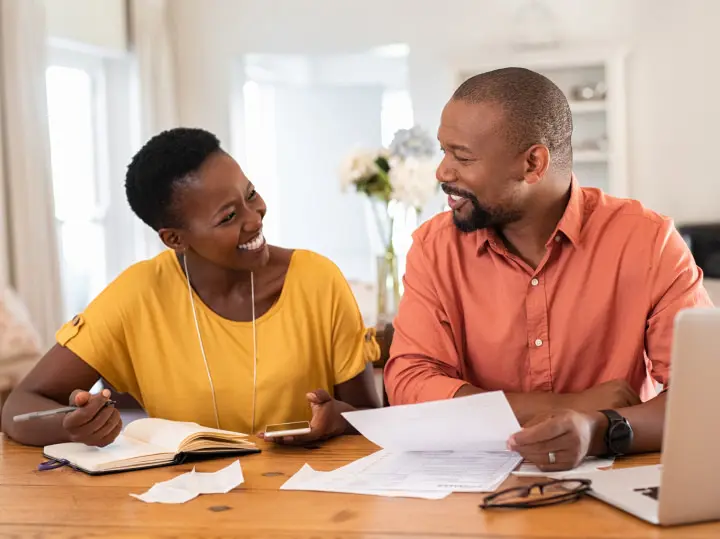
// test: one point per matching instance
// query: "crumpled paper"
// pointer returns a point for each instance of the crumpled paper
(187, 486)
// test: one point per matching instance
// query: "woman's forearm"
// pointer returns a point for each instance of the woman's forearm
(38, 432)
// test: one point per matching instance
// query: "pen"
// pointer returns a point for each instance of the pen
(50, 413)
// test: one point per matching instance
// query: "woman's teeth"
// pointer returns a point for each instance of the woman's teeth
(254, 244)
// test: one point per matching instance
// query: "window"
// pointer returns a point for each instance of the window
(80, 165)
(260, 155)
(396, 113)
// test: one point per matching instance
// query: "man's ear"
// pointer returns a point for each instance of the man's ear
(537, 163)
(173, 238)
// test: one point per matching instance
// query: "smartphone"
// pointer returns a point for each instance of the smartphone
(295, 428)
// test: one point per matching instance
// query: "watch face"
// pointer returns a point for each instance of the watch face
(620, 437)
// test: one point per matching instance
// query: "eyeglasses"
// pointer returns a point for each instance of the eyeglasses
(538, 494)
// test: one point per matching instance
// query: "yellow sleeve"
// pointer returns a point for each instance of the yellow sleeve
(353, 345)
(97, 335)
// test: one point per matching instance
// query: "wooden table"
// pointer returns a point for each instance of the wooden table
(63, 503)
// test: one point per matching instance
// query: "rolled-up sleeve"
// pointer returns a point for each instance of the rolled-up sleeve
(676, 284)
(424, 363)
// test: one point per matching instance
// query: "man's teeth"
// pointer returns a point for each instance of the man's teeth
(456, 197)
(253, 244)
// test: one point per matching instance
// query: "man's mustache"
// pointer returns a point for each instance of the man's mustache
(452, 191)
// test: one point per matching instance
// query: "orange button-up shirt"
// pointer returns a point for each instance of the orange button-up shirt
(599, 307)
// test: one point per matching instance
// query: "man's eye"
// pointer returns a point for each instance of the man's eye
(252, 194)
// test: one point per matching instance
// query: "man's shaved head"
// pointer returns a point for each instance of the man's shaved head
(536, 111)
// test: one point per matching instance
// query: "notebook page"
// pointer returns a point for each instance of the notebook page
(98, 458)
(170, 434)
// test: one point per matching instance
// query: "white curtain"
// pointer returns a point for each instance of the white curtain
(152, 42)
(27, 222)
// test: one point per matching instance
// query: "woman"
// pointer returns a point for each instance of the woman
(221, 329)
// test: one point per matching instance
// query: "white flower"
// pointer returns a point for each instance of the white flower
(413, 181)
(357, 166)
(413, 142)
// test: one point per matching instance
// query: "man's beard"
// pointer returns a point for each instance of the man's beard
(481, 216)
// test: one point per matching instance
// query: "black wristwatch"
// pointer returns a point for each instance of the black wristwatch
(619, 435)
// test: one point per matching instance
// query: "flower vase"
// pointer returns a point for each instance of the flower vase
(388, 286)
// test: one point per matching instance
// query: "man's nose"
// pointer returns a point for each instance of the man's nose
(444, 173)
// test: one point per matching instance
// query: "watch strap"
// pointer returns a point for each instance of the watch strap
(613, 419)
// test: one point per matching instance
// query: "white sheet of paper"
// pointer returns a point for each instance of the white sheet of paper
(482, 422)
(590, 464)
(416, 474)
(429, 450)
(307, 479)
(189, 485)
(432, 470)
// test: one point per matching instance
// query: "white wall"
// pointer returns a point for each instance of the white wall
(211, 33)
(671, 73)
(674, 108)
(98, 24)
(315, 126)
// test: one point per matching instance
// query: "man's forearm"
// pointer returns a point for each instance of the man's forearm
(524, 405)
(647, 421)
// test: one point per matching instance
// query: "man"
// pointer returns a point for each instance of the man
(558, 295)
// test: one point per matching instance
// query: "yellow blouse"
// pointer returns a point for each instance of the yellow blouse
(140, 335)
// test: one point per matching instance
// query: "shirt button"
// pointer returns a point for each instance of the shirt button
(538, 342)
(534, 282)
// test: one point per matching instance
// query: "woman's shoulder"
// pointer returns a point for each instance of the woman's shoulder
(137, 280)
(313, 266)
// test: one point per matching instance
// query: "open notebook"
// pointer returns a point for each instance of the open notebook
(151, 442)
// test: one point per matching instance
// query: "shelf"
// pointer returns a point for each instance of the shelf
(585, 107)
(589, 156)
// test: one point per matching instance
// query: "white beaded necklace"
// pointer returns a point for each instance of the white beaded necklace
(202, 347)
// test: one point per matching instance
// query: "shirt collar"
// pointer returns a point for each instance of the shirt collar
(570, 224)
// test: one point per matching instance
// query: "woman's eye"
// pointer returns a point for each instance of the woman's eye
(229, 217)
(252, 194)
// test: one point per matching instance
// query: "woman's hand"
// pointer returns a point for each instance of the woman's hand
(326, 421)
(94, 422)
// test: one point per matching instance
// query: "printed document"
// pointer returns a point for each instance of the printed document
(428, 450)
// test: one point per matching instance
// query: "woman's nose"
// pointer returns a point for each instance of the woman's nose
(252, 224)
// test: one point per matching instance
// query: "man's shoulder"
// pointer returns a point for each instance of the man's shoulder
(605, 208)
(438, 228)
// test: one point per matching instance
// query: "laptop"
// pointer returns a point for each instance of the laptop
(685, 488)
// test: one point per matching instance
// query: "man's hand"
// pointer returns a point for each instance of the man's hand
(566, 434)
(326, 420)
(606, 396)
(93, 423)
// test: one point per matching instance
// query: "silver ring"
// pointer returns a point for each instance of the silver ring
(551, 457)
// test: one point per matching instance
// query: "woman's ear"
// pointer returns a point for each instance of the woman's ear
(173, 238)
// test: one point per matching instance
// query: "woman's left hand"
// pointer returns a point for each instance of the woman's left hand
(326, 420)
